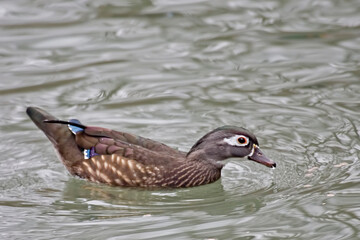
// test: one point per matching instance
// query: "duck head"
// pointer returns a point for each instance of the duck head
(229, 142)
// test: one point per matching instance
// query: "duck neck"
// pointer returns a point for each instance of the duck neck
(202, 157)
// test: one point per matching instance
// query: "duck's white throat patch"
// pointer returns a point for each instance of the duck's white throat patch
(237, 140)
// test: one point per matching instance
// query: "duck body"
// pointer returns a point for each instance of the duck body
(122, 159)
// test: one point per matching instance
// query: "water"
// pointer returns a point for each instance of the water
(169, 70)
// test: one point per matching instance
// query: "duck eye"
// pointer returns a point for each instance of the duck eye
(237, 140)
(242, 140)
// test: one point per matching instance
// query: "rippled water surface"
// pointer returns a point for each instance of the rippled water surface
(173, 70)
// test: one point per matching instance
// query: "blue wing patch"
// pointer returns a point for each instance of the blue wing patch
(75, 129)
(89, 153)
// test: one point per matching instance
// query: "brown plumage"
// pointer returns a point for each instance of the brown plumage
(123, 159)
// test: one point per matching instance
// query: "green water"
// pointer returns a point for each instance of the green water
(289, 71)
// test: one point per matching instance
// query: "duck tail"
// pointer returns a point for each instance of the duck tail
(59, 135)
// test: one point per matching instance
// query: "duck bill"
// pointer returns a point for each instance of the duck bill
(259, 157)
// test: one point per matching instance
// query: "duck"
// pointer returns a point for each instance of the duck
(117, 158)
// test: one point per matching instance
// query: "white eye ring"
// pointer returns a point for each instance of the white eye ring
(237, 140)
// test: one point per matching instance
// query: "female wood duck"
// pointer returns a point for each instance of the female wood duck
(122, 159)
